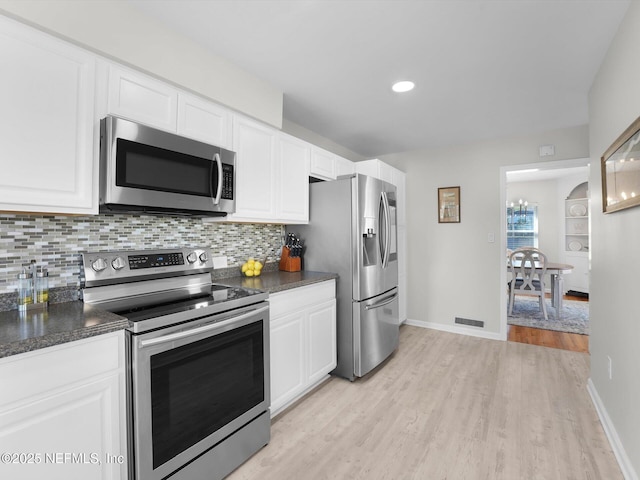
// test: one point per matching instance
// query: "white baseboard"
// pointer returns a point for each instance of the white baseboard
(470, 331)
(628, 471)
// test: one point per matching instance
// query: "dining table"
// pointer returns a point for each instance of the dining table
(556, 271)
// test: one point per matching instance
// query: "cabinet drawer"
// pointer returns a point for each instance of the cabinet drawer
(34, 373)
(282, 303)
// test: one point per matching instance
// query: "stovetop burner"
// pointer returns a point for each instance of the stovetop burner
(221, 298)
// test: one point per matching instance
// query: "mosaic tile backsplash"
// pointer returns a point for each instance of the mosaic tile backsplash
(55, 242)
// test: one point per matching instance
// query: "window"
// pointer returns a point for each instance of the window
(522, 227)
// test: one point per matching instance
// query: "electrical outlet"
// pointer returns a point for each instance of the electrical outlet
(220, 262)
(610, 365)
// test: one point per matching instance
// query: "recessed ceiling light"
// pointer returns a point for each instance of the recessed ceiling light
(403, 86)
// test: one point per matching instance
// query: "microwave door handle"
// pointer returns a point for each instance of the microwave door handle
(216, 200)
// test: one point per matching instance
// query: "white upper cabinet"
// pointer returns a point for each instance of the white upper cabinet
(272, 175)
(256, 164)
(344, 167)
(329, 166)
(292, 203)
(144, 99)
(47, 123)
(323, 164)
(204, 121)
(376, 168)
(141, 98)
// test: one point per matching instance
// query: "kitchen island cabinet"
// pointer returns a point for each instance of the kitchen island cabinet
(62, 411)
(47, 143)
(303, 341)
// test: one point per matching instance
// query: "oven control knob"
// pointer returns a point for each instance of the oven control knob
(192, 257)
(118, 263)
(99, 265)
(204, 257)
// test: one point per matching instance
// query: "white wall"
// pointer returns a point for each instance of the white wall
(119, 31)
(452, 269)
(614, 103)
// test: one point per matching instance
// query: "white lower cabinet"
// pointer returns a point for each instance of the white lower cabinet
(303, 341)
(62, 411)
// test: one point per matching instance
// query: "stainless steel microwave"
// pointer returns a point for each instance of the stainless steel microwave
(144, 170)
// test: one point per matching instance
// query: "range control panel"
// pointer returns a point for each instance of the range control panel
(155, 260)
(125, 266)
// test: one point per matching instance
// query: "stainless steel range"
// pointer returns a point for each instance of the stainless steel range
(199, 361)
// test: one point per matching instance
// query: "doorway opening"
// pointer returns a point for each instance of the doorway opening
(546, 206)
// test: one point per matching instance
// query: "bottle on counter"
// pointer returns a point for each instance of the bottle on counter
(25, 289)
(42, 286)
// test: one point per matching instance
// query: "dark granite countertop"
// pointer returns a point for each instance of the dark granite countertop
(60, 323)
(278, 281)
(74, 320)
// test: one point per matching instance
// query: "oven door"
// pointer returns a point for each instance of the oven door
(144, 169)
(195, 384)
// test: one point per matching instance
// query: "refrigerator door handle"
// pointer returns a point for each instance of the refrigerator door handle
(382, 303)
(385, 244)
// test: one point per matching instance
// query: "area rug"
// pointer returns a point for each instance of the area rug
(575, 315)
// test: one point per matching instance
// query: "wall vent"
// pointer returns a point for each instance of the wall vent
(467, 321)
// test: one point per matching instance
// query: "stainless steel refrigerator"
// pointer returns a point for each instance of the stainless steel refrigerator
(352, 231)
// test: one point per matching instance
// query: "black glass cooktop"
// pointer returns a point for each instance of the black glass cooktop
(221, 299)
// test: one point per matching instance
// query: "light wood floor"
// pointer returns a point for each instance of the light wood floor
(548, 338)
(445, 406)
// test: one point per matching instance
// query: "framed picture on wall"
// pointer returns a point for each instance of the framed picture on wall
(621, 171)
(449, 205)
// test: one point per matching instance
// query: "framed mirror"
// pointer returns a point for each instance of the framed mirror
(621, 171)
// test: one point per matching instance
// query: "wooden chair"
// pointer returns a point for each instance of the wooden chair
(528, 267)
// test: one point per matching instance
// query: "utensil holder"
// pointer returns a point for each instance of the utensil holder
(287, 262)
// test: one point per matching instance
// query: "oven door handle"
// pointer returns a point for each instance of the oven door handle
(198, 330)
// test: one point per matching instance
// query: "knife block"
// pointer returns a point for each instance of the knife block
(288, 263)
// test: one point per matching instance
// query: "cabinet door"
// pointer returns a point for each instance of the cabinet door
(288, 377)
(204, 121)
(578, 279)
(46, 145)
(344, 167)
(55, 403)
(76, 422)
(143, 99)
(323, 164)
(377, 169)
(255, 146)
(322, 340)
(293, 185)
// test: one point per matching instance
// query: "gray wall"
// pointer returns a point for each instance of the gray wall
(452, 269)
(614, 103)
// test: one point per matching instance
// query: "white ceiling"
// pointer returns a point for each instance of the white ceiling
(483, 69)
